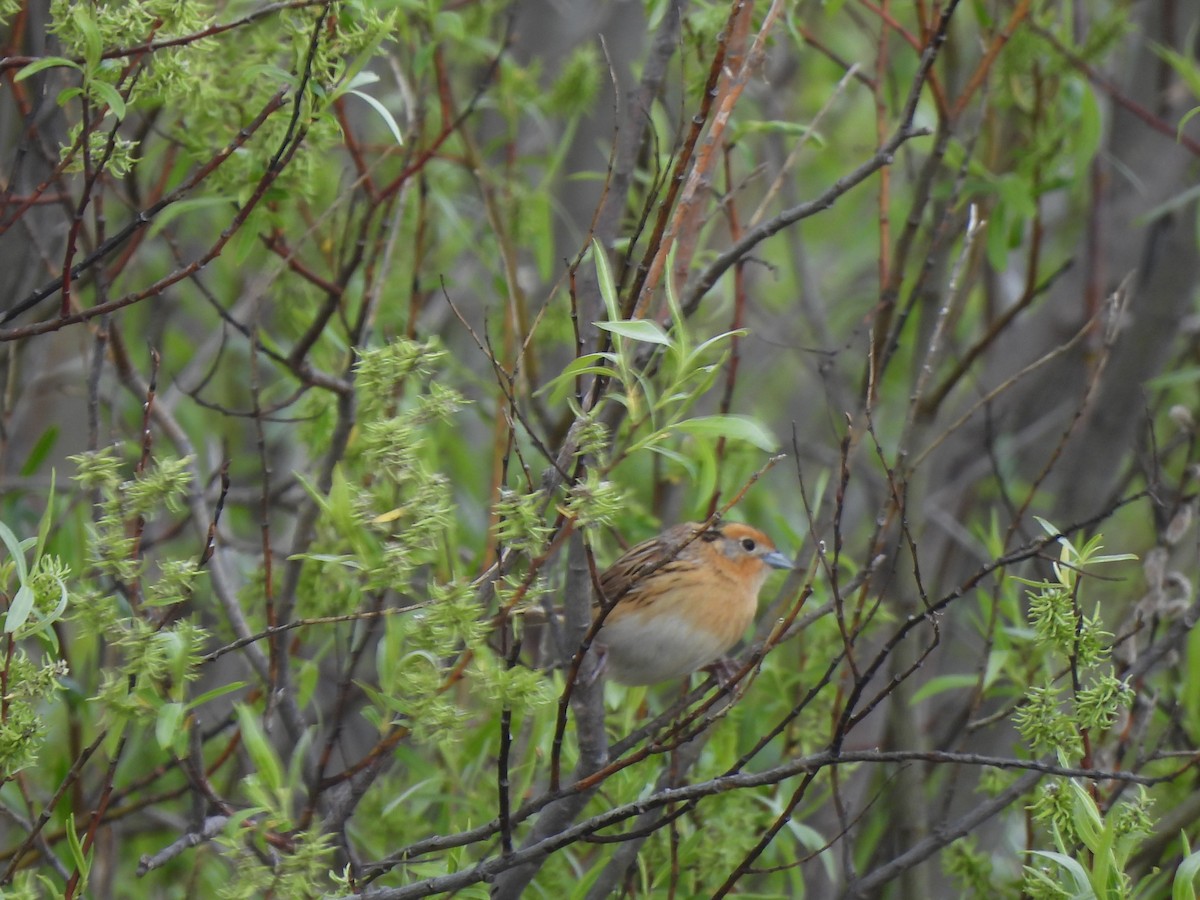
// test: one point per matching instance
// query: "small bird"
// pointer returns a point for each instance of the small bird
(682, 599)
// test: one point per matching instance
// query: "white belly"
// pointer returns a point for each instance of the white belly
(647, 651)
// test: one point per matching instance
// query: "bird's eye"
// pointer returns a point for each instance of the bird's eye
(748, 545)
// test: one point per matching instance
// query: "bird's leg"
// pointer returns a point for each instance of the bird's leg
(724, 670)
(593, 665)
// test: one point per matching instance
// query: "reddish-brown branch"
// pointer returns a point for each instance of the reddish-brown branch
(277, 244)
(916, 43)
(1157, 123)
(882, 61)
(979, 75)
(16, 856)
(450, 124)
(682, 160)
(97, 816)
(735, 324)
(682, 232)
(141, 221)
(12, 63)
(162, 284)
(350, 142)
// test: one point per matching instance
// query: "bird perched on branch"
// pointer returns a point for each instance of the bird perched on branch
(677, 602)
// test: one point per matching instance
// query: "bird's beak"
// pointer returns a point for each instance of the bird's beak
(777, 560)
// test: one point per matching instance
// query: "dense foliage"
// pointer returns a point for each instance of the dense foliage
(346, 341)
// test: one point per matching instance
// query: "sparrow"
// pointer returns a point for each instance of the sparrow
(679, 601)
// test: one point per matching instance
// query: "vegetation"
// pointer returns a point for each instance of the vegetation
(345, 342)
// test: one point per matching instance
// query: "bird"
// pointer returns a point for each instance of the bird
(677, 602)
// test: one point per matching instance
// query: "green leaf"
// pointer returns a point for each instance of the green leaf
(940, 684)
(359, 79)
(1089, 824)
(537, 218)
(381, 699)
(1048, 528)
(450, 25)
(1187, 117)
(1190, 686)
(354, 76)
(111, 96)
(269, 73)
(306, 682)
(44, 622)
(608, 290)
(16, 550)
(1184, 885)
(169, 213)
(586, 364)
(787, 129)
(1172, 204)
(644, 330)
(1090, 130)
(704, 485)
(82, 865)
(704, 346)
(47, 519)
(66, 94)
(166, 726)
(682, 459)
(731, 427)
(89, 30)
(581, 886)
(245, 240)
(19, 609)
(216, 692)
(259, 748)
(40, 450)
(384, 113)
(996, 236)
(299, 753)
(1184, 375)
(1185, 66)
(239, 819)
(995, 665)
(46, 62)
(678, 324)
(1079, 886)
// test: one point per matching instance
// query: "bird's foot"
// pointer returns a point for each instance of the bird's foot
(593, 665)
(724, 670)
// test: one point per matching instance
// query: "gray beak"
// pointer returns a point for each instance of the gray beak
(777, 560)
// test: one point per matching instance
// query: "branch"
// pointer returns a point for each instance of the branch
(883, 157)
(494, 866)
